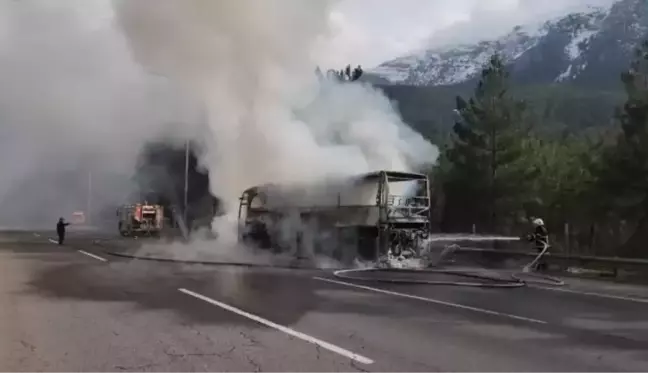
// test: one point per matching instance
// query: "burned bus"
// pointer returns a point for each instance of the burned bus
(363, 217)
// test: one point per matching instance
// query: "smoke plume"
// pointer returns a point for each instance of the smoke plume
(85, 84)
(251, 65)
(71, 102)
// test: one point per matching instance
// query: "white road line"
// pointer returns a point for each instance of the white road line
(294, 333)
(82, 252)
(92, 255)
(36, 235)
(600, 295)
(430, 300)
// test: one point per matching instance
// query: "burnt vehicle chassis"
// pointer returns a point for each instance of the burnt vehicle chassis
(381, 224)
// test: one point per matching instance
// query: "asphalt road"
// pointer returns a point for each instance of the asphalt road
(74, 308)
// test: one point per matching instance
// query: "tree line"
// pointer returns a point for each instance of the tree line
(498, 169)
(561, 108)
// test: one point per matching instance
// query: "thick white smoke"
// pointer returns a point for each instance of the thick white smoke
(75, 110)
(85, 84)
(71, 102)
(250, 62)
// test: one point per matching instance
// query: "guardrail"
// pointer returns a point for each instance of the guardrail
(612, 263)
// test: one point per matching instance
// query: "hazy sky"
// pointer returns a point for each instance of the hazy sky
(369, 32)
(71, 96)
(372, 31)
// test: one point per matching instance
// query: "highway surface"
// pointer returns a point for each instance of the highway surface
(75, 308)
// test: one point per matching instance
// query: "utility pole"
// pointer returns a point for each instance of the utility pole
(89, 201)
(493, 174)
(186, 183)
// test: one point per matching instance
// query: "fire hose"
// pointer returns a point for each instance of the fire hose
(528, 271)
(514, 280)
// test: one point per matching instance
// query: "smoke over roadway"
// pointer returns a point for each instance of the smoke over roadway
(74, 111)
(252, 64)
(85, 84)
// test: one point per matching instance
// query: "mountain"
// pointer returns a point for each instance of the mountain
(589, 49)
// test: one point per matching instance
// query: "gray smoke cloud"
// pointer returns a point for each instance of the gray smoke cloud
(251, 64)
(84, 84)
(74, 110)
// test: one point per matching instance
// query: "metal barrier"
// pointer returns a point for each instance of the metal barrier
(613, 263)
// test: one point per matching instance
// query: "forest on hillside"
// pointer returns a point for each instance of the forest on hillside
(559, 109)
(577, 159)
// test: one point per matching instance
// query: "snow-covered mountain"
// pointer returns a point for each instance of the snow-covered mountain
(589, 48)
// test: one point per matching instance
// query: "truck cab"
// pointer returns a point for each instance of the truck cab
(142, 218)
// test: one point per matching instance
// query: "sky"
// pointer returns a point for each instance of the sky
(370, 32)
(70, 84)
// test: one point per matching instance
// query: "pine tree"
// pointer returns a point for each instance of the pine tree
(563, 185)
(488, 177)
(624, 171)
(347, 74)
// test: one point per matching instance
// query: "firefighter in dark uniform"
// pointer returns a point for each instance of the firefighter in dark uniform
(60, 230)
(540, 239)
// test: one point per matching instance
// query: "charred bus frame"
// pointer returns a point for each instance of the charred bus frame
(386, 222)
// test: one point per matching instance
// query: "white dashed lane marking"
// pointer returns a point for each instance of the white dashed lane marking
(304, 337)
(430, 300)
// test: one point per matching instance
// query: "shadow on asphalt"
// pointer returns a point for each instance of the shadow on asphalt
(282, 296)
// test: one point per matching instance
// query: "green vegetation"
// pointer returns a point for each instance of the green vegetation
(489, 174)
(559, 109)
(567, 157)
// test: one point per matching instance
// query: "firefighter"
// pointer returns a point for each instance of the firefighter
(60, 230)
(540, 239)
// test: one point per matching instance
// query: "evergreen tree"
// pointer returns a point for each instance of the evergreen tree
(487, 176)
(346, 74)
(624, 171)
(562, 188)
(357, 73)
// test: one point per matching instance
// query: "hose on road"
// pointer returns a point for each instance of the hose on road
(486, 281)
(382, 275)
(514, 280)
(532, 276)
(206, 262)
